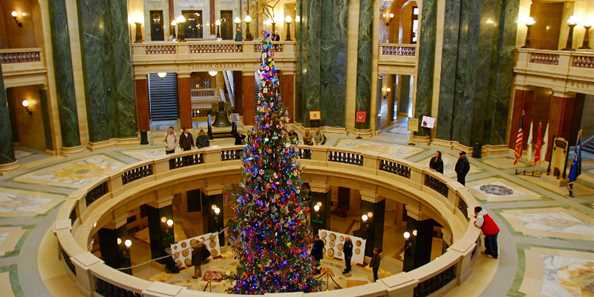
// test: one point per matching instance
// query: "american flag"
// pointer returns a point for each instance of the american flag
(519, 145)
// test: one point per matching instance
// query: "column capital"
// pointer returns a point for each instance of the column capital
(141, 76)
(371, 195)
(523, 88)
(561, 94)
(183, 75)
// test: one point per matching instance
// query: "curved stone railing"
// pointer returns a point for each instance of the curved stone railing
(79, 217)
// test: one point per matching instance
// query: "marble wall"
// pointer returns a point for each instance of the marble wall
(476, 75)
(426, 61)
(364, 60)
(63, 71)
(107, 69)
(6, 150)
(322, 45)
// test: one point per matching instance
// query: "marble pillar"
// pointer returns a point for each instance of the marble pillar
(43, 102)
(404, 99)
(322, 48)
(364, 63)
(63, 72)
(113, 254)
(479, 40)
(184, 97)
(248, 98)
(375, 225)
(107, 69)
(417, 249)
(160, 234)
(6, 149)
(426, 61)
(213, 222)
(287, 88)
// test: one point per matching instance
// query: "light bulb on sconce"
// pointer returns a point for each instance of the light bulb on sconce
(370, 215)
(528, 21)
(163, 220)
(288, 19)
(213, 73)
(119, 241)
(237, 20)
(248, 36)
(217, 211)
(128, 243)
(247, 19)
(26, 103)
(180, 19)
(169, 223)
(15, 15)
(162, 75)
(406, 235)
(364, 218)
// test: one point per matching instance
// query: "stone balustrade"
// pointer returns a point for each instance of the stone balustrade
(207, 55)
(77, 220)
(397, 58)
(563, 71)
(22, 66)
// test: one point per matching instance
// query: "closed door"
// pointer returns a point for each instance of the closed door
(227, 24)
(157, 25)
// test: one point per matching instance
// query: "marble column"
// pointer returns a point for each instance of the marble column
(426, 61)
(184, 97)
(404, 99)
(107, 69)
(238, 91)
(417, 249)
(320, 219)
(248, 97)
(43, 102)
(161, 235)
(375, 224)
(322, 50)
(142, 108)
(113, 254)
(63, 73)
(479, 40)
(287, 88)
(213, 222)
(6, 149)
(364, 63)
(521, 98)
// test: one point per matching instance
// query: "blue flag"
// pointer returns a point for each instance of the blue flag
(576, 165)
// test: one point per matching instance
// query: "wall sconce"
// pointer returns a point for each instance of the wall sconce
(179, 21)
(388, 16)
(318, 206)
(364, 218)
(288, 21)
(215, 209)
(119, 241)
(587, 26)
(127, 243)
(213, 73)
(529, 22)
(571, 22)
(162, 74)
(27, 105)
(218, 25)
(408, 234)
(238, 35)
(248, 36)
(15, 15)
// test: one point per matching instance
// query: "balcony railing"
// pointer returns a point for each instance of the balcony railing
(225, 54)
(397, 58)
(567, 71)
(403, 50)
(22, 66)
(449, 269)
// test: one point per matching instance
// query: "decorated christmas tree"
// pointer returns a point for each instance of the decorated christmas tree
(269, 232)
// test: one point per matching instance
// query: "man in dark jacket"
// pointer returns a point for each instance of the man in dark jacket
(317, 251)
(347, 249)
(436, 163)
(186, 140)
(462, 168)
(375, 262)
(202, 139)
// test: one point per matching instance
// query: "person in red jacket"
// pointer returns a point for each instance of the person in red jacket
(490, 230)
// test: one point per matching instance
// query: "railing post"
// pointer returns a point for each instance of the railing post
(417, 177)
(84, 276)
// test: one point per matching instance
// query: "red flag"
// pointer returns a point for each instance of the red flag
(538, 145)
(519, 145)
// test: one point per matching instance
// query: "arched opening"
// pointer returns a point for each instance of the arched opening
(401, 20)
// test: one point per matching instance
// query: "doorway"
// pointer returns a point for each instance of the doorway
(157, 25)
(227, 24)
(545, 32)
(193, 28)
(28, 115)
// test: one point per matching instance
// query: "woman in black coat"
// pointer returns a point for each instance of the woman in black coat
(436, 163)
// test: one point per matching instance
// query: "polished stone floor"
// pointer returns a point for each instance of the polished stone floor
(546, 242)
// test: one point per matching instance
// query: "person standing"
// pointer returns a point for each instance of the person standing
(170, 141)
(202, 139)
(375, 262)
(186, 140)
(199, 255)
(462, 168)
(490, 230)
(436, 163)
(347, 250)
(317, 251)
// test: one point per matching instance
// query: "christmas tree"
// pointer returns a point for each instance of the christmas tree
(269, 233)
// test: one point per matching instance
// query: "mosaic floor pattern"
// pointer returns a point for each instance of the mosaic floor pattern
(15, 202)
(386, 149)
(558, 273)
(497, 189)
(9, 239)
(555, 222)
(74, 174)
(143, 155)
